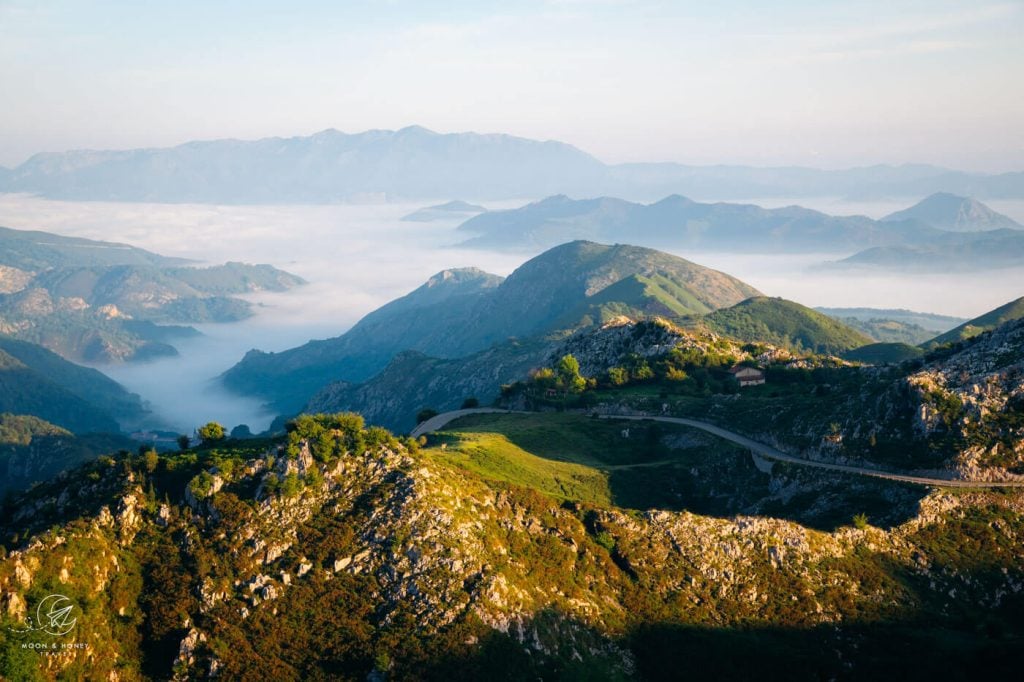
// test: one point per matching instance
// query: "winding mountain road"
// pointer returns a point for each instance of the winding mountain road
(760, 449)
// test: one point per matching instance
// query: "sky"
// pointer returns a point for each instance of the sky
(816, 83)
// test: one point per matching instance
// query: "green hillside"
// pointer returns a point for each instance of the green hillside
(644, 465)
(785, 323)
(32, 450)
(883, 353)
(24, 391)
(639, 296)
(572, 285)
(1014, 310)
(35, 381)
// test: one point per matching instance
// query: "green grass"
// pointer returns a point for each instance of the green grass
(494, 457)
(569, 456)
(573, 457)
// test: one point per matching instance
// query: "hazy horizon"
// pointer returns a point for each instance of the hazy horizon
(830, 85)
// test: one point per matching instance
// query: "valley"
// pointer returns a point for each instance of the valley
(555, 341)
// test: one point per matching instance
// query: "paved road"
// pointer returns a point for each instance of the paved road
(760, 449)
(439, 421)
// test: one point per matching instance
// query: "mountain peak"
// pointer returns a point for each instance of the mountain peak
(460, 276)
(946, 211)
(415, 130)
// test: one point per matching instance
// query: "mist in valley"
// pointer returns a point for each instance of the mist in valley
(356, 257)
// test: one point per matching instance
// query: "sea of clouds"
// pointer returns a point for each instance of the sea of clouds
(358, 257)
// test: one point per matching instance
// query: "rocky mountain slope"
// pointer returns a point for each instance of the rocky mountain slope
(339, 553)
(958, 412)
(574, 285)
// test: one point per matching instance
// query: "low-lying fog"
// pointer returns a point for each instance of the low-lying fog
(357, 257)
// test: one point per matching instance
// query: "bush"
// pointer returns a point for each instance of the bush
(605, 539)
(211, 432)
(150, 460)
(425, 414)
(860, 521)
(201, 486)
(470, 404)
(292, 485)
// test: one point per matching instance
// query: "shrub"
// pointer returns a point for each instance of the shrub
(860, 521)
(425, 414)
(211, 432)
(150, 460)
(201, 485)
(292, 485)
(606, 540)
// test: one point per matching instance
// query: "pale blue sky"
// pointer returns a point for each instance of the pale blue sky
(827, 84)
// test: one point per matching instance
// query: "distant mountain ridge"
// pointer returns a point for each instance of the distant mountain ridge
(414, 162)
(460, 312)
(951, 251)
(939, 323)
(446, 211)
(678, 222)
(326, 167)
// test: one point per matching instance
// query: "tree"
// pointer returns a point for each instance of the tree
(211, 432)
(150, 460)
(183, 442)
(617, 376)
(567, 370)
(425, 414)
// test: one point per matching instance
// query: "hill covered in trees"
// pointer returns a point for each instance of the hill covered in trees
(35, 381)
